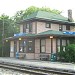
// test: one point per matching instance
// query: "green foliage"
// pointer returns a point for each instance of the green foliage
(72, 41)
(61, 54)
(69, 54)
(8, 29)
(9, 26)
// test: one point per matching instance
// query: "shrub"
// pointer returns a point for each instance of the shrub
(69, 54)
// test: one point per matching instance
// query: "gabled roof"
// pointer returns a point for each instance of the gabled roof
(47, 16)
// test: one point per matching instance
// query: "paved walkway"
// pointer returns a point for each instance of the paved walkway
(38, 63)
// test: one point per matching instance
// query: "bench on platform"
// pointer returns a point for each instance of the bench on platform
(44, 57)
(21, 56)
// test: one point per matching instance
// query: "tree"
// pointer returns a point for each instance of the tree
(68, 55)
(6, 30)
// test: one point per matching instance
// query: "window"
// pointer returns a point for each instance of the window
(60, 27)
(43, 46)
(21, 46)
(30, 46)
(26, 45)
(63, 44)
(67, 27)
(29, 27)
(48, 25)
(24, 28)
(58, 45)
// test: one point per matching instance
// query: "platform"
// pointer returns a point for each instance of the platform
(40, 64)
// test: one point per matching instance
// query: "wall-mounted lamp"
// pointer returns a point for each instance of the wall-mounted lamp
(20, 39)
(6, 40)
(51, 37)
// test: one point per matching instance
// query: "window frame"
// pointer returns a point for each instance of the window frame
(21, 42)
(67, 27)
(27, 46)
(60, 27)
(29, 27)
(48, 24)
(24, 28)
(42, 46)
(32, 46)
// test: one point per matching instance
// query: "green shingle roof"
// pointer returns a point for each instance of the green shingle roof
(49, 32)
(46, 15)
(52, 32)
(30, 35)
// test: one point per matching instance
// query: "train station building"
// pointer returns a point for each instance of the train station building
(42, 33)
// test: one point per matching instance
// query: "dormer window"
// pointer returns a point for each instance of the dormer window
(48, 25)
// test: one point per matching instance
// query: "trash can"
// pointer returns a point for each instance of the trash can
(53, 57)
(17, 55)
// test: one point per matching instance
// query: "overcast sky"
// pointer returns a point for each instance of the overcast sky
(9, 7)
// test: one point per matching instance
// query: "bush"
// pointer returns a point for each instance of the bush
(61, 56)
(69, 54)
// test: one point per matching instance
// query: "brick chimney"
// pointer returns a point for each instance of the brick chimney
(70, 15)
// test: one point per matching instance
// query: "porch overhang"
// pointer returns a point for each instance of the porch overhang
(45, 34)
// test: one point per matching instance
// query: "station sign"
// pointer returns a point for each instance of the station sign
(68, 32)
(20, 34)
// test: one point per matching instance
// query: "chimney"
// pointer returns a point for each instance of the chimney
(70, 15)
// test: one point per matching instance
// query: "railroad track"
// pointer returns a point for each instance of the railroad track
(35, 70)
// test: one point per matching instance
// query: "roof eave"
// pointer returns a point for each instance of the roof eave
(39, 36)
(42, 19)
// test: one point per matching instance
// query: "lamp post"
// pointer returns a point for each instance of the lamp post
(3, 37)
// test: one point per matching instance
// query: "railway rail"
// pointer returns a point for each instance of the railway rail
(35, 70)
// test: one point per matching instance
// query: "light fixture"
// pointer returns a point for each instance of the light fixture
(51, 37)
(20, 39)
(6, 40)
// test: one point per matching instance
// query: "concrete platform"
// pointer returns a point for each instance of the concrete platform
(40, 64)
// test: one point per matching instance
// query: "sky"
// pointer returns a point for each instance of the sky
(10, 7)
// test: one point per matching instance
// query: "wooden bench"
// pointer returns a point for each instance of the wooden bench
(44, 57)
(21, 56)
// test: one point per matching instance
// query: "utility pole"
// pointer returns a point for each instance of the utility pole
(3, 38)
